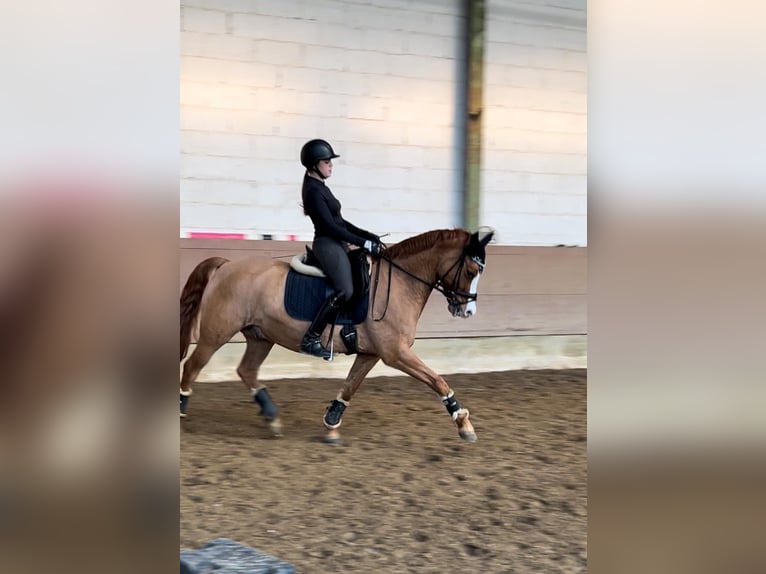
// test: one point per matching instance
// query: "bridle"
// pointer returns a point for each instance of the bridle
(451, 293)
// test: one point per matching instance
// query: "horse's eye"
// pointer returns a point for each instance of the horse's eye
(471, 274)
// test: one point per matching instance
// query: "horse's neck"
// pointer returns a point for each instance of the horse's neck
(426, 265)
(420, 265)
(416, 266)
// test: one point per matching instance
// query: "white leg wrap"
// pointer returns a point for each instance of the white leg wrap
(331, 427)
(459, 412)
(186, 393)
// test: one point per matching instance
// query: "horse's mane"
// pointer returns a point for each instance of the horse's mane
(424, 241)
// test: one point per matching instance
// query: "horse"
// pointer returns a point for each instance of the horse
(222, 297)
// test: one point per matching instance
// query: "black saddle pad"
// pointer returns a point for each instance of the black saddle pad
(304, 295)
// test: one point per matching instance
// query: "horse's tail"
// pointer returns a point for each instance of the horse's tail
(191, 296)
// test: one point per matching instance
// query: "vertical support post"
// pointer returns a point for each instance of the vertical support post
(475, 16)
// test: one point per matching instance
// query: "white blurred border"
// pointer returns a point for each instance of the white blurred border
(89, 85)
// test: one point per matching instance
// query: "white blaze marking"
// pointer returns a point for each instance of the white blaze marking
(470, 308)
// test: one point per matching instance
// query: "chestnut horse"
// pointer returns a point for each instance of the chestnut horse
(221, 297)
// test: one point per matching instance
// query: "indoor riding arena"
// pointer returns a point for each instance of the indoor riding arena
(402, 492)
(445, 114)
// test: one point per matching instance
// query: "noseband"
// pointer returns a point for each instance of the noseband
(450, 293)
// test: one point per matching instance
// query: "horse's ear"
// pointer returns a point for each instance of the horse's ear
(485, 236)
(480, 238)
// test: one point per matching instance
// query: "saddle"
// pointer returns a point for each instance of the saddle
(307, 287)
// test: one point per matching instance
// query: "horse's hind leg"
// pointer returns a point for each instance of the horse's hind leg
(256, 352)
(408, 362)
(192, 367)
(334, 413)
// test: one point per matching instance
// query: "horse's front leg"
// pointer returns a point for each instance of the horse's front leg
(333, 416)
(408, 362)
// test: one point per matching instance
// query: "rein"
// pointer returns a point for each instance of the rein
(450, 293)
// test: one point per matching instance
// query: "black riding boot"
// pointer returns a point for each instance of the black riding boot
(312, 344)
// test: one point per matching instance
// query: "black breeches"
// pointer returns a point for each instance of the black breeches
(334, 261)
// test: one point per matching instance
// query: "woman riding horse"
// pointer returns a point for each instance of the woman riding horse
(222, 297)
(331, 234)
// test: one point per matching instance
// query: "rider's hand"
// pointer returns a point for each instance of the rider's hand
(372, 247)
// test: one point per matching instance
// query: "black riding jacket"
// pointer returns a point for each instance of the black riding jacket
(324, 210)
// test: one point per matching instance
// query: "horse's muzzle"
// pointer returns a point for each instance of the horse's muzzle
(464, 310)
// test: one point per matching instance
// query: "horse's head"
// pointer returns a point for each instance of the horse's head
(461, 281)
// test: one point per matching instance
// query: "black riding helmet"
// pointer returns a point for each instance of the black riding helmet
(313, 151)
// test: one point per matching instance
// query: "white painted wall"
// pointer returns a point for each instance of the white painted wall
(534, 186)
(379, 80)
(376, 79)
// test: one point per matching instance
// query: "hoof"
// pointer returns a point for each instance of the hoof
(469, 436)
(332, 437)
(275, 427)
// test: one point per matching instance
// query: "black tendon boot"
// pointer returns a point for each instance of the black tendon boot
(312, 344)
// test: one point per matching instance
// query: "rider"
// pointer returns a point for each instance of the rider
(331, 234)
